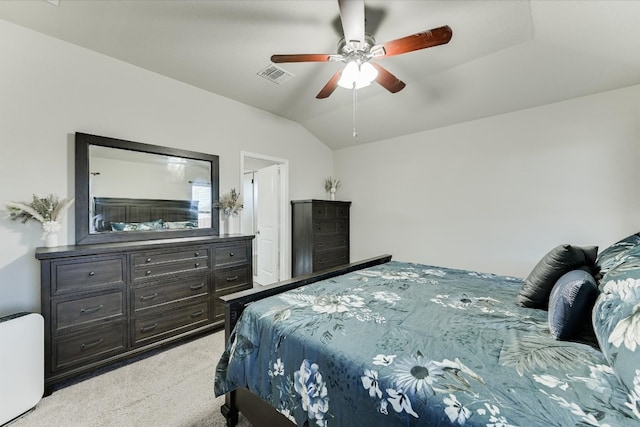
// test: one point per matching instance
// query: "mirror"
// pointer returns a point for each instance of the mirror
(127, 191)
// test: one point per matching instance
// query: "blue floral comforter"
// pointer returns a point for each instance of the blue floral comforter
(414, 345)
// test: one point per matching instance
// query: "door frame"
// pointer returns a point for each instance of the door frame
(285, 210)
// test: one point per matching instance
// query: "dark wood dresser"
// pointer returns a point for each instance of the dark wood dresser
(107, 302)
(320, 235)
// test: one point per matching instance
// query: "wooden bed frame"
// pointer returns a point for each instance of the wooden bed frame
(117, 209)
(255, 410)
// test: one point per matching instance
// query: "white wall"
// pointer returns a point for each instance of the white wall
(496, 194)
(50, 89)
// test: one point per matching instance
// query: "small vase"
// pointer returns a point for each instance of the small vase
(332, 194)
(51, 240)
(225, 226)
(50, 233)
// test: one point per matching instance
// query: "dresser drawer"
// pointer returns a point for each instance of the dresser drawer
(329, 211)
(232, 277)
(322, 211)
(170, 291)
(169, 322)
(330, 226)
(96, 343)
(218, 306)
(228, 255)
(144, 272)
(324, 260)
(159, 257)
(83, 273)
(331, 241)
(95, 308)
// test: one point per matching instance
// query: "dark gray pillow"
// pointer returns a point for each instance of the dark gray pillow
(570, 304)
(560, 260)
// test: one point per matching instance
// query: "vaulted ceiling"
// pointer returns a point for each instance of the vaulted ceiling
(503, 56)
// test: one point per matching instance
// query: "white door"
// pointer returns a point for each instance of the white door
(267, 187)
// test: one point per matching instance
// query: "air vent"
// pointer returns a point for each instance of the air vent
(275, 74)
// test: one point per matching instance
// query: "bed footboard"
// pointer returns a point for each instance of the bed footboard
(235, 303)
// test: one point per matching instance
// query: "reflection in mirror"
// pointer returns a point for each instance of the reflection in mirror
(134, 191)
(128, 191)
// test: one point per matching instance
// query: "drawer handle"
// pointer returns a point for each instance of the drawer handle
(230, 253)
(91, 344)
(197, 264)
(147, 260)
(148, 297)
(92, 309)
(196, 287)
(148, 328)
(232, 278)
(148, 272)
(92, 273)
(196, 254)
(197, 314)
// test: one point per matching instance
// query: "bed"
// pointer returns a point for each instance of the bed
(387, 343)
(126, 214)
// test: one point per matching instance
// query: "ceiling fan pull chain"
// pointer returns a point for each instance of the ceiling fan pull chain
(355, 109)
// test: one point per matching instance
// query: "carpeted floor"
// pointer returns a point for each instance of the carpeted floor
(172, 388)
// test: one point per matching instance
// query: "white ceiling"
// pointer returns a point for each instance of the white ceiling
(504, 55)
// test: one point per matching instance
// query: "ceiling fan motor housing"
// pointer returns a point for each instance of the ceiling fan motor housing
(356, 50)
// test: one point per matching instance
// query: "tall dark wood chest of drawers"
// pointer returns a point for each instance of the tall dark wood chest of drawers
(107, 302)
(320, 235)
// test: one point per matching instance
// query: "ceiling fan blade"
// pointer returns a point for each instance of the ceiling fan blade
(388, 80)
(331, 85)
(423, 40)
(305, 57)
(352, 16)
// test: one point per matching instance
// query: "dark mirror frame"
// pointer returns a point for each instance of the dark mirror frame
(84, 237)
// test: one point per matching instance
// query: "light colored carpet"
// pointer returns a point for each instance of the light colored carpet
(172, 388)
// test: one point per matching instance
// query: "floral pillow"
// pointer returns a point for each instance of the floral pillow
(172, 225)
(616, 321)
(137, 226)
(615, 254)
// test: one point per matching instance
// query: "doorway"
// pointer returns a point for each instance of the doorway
(265, 187)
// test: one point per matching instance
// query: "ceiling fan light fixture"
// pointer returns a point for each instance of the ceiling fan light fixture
(360, 74)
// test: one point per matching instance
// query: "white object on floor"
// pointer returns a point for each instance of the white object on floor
(21, 364)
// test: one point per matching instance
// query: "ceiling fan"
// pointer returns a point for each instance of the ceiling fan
(357, 49)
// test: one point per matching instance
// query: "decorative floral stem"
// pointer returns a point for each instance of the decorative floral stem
(41, 209)
(46, 210)
(230, 203)
(330, 183)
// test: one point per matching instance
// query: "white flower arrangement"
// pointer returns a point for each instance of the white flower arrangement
(47, 210)
(230, 203)
(330, 183)
(41, 209)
